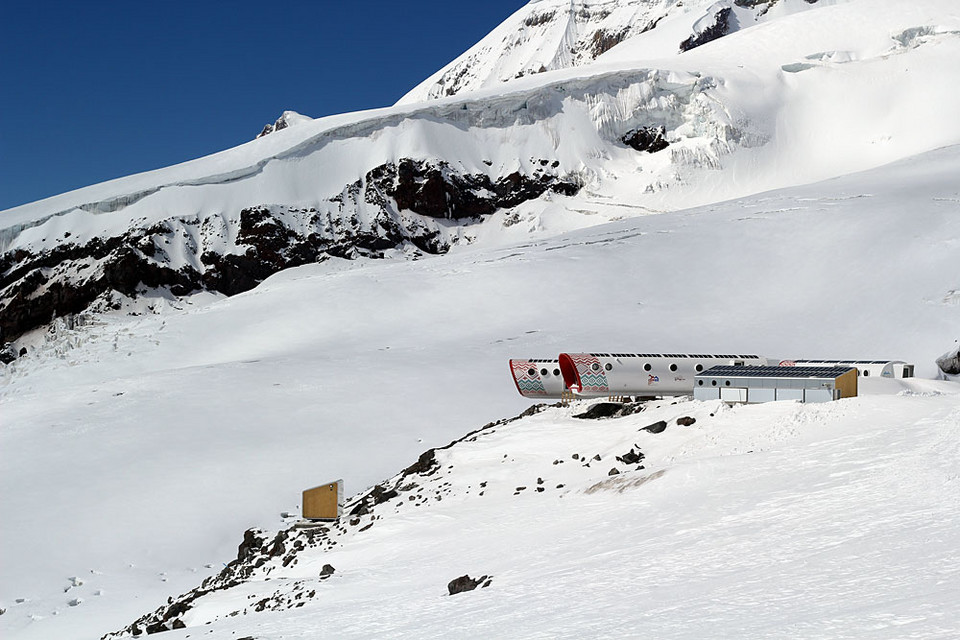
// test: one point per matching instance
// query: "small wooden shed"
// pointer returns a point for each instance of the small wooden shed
(324, 502)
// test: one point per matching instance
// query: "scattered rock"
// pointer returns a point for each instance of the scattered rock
(656, 427)
(601, 410)
(631, 457)
(686, 421)
(597, 457)
(649, 139)
(8, 354)
(724, 22)
(466, 583)
(614, 472)
(425, 465)
(327, 571)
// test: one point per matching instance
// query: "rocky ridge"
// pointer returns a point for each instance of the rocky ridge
(272, 558)
(394, 207)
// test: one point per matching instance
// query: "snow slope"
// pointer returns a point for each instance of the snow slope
(137, 450)
(772, 521)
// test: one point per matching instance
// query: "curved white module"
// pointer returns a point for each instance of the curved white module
(866, 368)
(595, 375)
(537, 378)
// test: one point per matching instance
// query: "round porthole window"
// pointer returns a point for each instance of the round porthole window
(556, 372)
(727, 383)
(608, 367)
(543, 372)
(532, 372)
(647, 367)
(700, 382)
(699, 367)
(595, 366)
(714, 383)
(866, 373)
(673, 367)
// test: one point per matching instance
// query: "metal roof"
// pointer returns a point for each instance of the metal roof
(853, 361)
(725, 371)
(674, 355)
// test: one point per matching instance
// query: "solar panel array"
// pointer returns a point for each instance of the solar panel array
(673, 355)
(774, 372)
(851, 362)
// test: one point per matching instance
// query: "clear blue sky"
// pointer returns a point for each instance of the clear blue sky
(91, 91)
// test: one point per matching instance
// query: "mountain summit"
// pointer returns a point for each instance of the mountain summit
(547, 35)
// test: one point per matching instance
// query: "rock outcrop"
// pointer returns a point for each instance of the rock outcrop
(393, 206)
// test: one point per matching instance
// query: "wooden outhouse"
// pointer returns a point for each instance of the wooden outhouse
(324, 502)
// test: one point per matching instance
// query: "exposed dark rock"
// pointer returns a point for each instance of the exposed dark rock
(686, 421)
(724, 22)
(538, 19)
(604, 40)
(327, 571)
(656, 427)
(632, 457)
(614, 472)
(33, 288)
(434, 190)
(533, 410)
(8, 354)
(631, 408)
(949, 362)
(466, 583)
(601, 410)
(763, 4)
(649, 139)
(57, 282)
(425, 465)
(377, 495)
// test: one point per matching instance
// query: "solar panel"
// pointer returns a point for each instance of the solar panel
(725, 371)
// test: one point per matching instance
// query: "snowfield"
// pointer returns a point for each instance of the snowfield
(137, 450)
(772, 521)
(807, 206)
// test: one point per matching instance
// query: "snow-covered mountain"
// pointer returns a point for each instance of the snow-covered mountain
(286, 119)
(225, 334)
(795, 98)
(546, 35)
